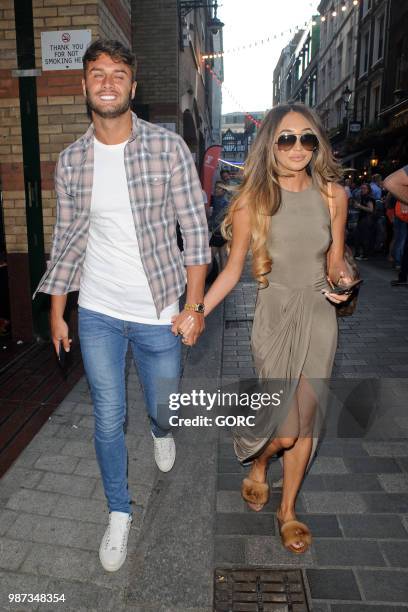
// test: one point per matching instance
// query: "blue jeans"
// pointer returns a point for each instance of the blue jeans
(400, 233)
(156, 352)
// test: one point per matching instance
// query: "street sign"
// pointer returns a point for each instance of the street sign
(63, 50)
(355, 126)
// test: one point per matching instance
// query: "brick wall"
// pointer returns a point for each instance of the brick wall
(155, 42)
(61, 111)
(114, 20)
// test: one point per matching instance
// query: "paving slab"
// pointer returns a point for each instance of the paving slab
(389, 586)
(376, 526)
(13, 553)
(39, 502)
(50, 530)
(342, 552)
(335, 502)
(269, 552)
(394, 483)
(19, 582)
(61, 562)
(333, 584)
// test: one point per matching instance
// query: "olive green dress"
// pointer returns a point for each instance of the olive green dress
(295, 327)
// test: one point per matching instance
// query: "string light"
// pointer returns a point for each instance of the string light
(251, 45)
(270, 39)
(259, 43)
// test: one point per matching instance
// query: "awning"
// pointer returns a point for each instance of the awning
(353, 155)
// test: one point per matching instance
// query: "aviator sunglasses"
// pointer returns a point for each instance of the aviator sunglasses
(286, 142)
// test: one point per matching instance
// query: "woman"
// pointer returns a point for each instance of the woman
(364, 236)
(281, 212)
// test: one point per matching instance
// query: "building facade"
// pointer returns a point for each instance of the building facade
(280, 73)
(238, 133)
(337, 61)
(235, 146)
(370, 64)
(394, 111)
(175, 88)
(362, 80)
(301, 77)
(239, 122)
(42, 112)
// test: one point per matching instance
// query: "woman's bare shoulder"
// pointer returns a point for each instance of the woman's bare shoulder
(338, 191)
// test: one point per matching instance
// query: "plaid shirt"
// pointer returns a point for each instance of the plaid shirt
(163, 187)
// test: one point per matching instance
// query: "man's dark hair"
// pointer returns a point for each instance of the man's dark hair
(114, 49)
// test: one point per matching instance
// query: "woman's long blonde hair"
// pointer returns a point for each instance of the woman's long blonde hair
(260, 190)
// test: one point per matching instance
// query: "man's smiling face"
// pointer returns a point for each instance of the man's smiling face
(108, 86)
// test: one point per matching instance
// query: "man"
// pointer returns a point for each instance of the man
(219, 210)
(397, 184)
(375, 185)
(225, 176)
(121, 188)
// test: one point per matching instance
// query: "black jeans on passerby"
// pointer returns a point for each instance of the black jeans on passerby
(364, 235)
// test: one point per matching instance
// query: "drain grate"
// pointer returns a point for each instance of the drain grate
(259, 590)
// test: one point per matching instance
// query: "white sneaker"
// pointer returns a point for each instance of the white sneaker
(113, 548)
(164, 452)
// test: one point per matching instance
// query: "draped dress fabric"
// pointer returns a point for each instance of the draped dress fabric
(295, 327)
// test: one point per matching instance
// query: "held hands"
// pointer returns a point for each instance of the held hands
(189, 325)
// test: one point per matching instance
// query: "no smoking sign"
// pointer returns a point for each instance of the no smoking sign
(64, 50)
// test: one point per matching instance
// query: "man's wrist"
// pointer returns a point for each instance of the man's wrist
(195, 307)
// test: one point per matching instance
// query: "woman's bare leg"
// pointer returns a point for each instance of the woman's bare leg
(296, 459)
(286, 438)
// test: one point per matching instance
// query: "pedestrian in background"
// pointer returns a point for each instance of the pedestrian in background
(219, 210)
(364, 236)
(225, 176)
(400, 224)
(376, 186)
(120, 189)
(397, 184)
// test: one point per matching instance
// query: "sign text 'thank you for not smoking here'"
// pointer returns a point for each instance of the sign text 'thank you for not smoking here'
(64, 50)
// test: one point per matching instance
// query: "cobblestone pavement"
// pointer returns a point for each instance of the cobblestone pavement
(192, 520)
(355, 497)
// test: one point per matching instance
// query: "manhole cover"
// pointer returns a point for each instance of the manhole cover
(259, 590)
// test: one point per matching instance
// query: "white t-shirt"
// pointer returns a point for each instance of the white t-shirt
(113, 281)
